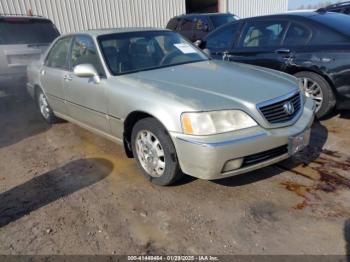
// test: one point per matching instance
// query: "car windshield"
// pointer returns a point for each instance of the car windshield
(219, 20)
(26, 31)
(138, 51)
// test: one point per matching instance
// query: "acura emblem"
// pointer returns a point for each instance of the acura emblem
(288, 108)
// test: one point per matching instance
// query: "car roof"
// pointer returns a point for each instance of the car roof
(19, 17)
(107, 31)
(300, 14)
(202, 14)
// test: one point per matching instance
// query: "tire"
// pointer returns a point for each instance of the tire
(328, 102)
(44, 108)
(149, 132)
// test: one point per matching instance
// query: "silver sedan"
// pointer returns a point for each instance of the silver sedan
(173, 108)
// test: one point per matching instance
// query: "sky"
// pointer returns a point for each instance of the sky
(293, 4)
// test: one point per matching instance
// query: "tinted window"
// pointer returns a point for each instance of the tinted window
(338, 22)
(297, 35)
(187, 24)
(26, 31)
(132, 52)
(58, 54)
(263, 34)
(223, 38)
(200, 24)
(84, 52)
(347, 11)
(173, 24)
(219, 20)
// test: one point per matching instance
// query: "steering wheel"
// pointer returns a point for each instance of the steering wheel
(166, 59)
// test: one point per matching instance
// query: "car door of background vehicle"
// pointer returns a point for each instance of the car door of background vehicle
(260, 44)
(52, 73)
(221, 41)
(86, 100)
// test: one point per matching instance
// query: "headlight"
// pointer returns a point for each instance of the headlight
(209, 123)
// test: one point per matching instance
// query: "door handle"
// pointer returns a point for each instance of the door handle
(283, 51)
(68, 78)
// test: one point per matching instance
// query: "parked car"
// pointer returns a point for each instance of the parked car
(22, 40)
(343, 8)
(312, 46)
(196, 26)
(173, 108)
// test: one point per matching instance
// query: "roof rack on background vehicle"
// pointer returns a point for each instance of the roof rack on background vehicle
(5, 14)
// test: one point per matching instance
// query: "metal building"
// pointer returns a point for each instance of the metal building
(75, 15)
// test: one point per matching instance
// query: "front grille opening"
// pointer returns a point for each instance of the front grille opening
(263, 156)
(275, 113)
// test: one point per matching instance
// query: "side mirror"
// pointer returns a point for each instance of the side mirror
(87, 70)
(207, 52)
(198, 43)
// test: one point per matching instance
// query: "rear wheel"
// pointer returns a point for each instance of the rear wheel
(319, 90)
(45, 109)
(155, 153)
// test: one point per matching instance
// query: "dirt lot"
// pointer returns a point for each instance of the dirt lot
(64, 190)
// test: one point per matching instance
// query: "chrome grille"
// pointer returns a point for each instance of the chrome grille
(275, 113)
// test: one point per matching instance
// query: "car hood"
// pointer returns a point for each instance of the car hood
(210, 83)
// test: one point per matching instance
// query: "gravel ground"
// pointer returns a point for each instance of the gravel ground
(64, 190)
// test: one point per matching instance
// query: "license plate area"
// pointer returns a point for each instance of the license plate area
(299, 142)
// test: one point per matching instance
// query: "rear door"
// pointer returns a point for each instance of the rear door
(52, 74)
(261, 44)
(86, 100)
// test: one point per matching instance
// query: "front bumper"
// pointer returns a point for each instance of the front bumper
(205, 157)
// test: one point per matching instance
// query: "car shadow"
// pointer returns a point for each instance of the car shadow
(344, 114)
(19, 119)
(46, 188)
(347, 238)
(319, 136)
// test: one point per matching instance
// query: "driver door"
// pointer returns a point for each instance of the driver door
(86, 99)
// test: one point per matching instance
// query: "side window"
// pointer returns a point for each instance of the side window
(297, 35)
(84, 52)
(223, 38)
(347, 11)
(263, 34)
(58, 54)
(200, 25)
(187, 24)
(173, 24)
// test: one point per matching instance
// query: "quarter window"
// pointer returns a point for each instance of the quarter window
(297, 35)
(263, 34)
(223, 38)
(84, 52)
(57, 57)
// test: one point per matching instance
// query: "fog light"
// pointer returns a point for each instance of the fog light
(232, 165)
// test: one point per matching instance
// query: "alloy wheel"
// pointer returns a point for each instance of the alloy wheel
(44, 106)
(150, 153)
(313, 90)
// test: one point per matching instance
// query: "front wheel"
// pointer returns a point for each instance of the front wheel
(155, 153)
(318, 89)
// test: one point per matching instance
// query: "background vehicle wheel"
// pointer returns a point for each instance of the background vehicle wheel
(318, 89)
(45, 109)
(155, 153)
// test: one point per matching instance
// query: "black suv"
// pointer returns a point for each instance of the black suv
(196, 26)
(313, 46)
(343, 8)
